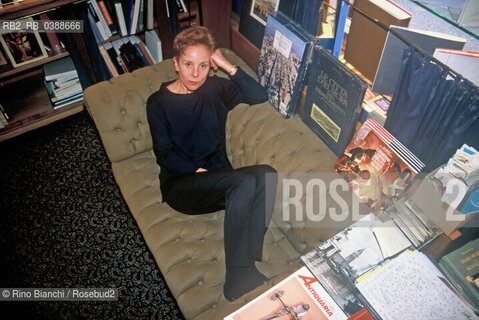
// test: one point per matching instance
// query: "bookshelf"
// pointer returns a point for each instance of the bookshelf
(22, 88)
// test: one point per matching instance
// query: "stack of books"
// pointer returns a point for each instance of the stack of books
(462, 268)
(62, 82)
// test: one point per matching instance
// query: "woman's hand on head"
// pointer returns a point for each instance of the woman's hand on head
(219, 61)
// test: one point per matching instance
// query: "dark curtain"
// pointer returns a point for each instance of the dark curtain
(431, 114)
(306, 13)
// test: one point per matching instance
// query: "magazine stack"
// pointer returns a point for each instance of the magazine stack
(377, 166)
(62, 82)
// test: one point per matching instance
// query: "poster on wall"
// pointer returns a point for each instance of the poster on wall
(254, 14)
(261, 8)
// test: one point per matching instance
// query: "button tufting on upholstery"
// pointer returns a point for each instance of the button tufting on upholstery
(129, 92)
(132, 141)
(139, 124)
(189, 260)
(200, 282)
(275, 243)
(177, 239)
(213, 305)
(123, 111)
(118, 129)
(202, 240)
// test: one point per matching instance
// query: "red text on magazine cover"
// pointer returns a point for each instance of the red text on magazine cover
(300, 296)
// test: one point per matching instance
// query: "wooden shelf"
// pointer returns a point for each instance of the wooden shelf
(33, 108)
(7, 71)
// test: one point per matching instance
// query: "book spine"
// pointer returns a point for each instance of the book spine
(100, 16)
(300, 81)
(3, 118)
(141, 16)
(108, 19)
(134, 16)
(52, 37)
(149, 14)
(146, 53)
(4, 113)
(122, 60)
(114, 57)
(121, 18)
(97, 24)
(108, 61)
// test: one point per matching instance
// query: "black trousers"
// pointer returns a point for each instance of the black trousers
(248, 205)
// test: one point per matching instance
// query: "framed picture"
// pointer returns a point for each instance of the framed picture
(254, 14)
(261, 8)
(23, 47)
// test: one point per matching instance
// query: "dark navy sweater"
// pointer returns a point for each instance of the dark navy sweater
(188, 130)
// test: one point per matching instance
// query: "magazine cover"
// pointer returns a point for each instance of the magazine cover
(300, 296)
(377, 166)
(283, 62)
(333, 100)
(360, 248)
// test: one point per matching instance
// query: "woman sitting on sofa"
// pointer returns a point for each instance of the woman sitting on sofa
(187, 118)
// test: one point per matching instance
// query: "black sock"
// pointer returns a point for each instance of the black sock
(240, 280)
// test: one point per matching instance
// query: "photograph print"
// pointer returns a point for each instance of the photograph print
(260, 9)
(279, 65)
(23, 47)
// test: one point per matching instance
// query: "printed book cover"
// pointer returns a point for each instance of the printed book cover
(463, 263)
(333, 100)
(299, 296)
(360, 248)
(377, 166)
(283, 62)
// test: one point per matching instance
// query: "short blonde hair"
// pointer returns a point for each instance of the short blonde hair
(193, 36)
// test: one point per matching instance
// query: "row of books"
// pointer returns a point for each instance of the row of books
(367, 271)
(119, 17)
(62, 82)
(130, 53)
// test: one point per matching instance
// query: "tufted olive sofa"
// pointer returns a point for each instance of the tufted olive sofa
(189, 249)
